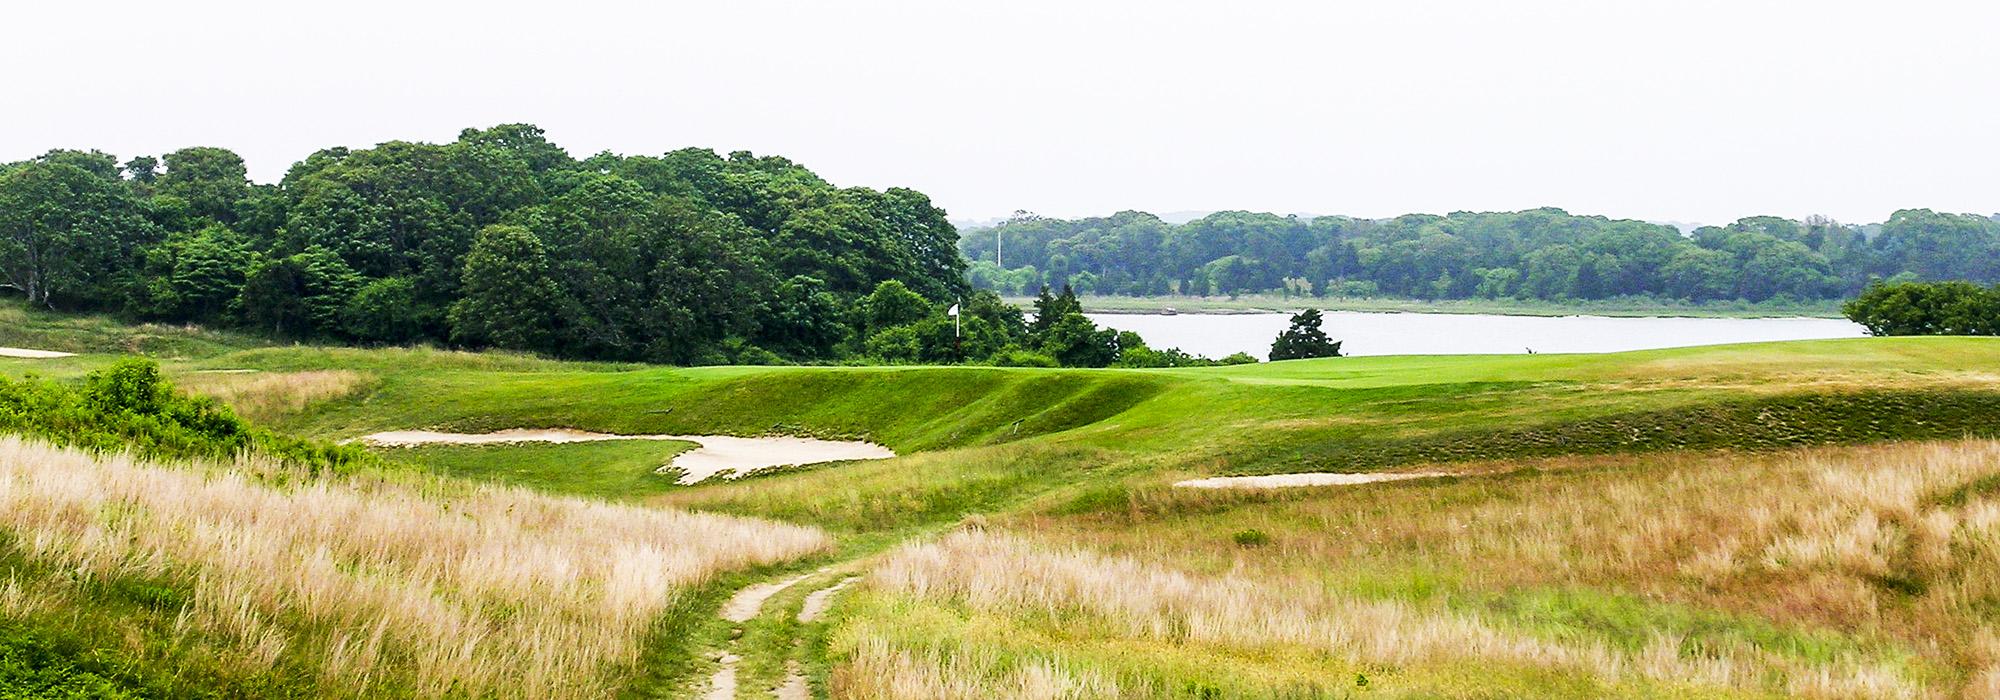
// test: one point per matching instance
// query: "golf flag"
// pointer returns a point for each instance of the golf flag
(952, 311)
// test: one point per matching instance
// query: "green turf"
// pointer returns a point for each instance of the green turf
(612, 470)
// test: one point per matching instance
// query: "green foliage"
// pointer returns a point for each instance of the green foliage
(1304, 339)
(510, 301)
(37, 664)
(385, 311)
(1250, 538)
(891, 304)
(130, 406)
(67, 231)
(1074, 341)
(196, 276)
(298, 292)
(1926, 308)
(1542, 254)
(689, 257)
(1017, 357)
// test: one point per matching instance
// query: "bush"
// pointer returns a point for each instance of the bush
(130, 406)
(1017, 357)
(1926, 308)
(1250, 538)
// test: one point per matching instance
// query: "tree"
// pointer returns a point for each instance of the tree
(193, 276)
(804, 322)
(509, 301)
(1050, 310)
(384, 311)
(1926, 308)
(1304, 339)
(67, 233)
(891, 305)
(1076, 342)
(299, 295)
(211, 180)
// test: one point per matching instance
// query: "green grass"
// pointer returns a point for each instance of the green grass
(22, 326)
(611, 470)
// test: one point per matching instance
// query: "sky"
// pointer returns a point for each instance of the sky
(1688, 111)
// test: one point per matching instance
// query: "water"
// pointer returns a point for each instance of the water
(1361, 333)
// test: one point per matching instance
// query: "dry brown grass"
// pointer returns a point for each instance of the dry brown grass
(1894, 543)
(431, 587)
(1131, 599)
(880, 671)
(266, 396)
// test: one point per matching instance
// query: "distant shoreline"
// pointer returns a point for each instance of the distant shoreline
(1263, 304)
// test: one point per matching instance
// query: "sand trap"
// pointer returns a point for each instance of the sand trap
(33, 354)
(726, 455)
(1279, 481)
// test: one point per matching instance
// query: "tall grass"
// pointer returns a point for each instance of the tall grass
(267, 396)
(1133, 600)
(880, 670)
(382, 587)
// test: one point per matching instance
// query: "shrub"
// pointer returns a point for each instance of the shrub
(1017, 357)
(1250, 538)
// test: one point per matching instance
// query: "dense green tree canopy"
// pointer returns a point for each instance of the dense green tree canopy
(499, 238)
(1544, 254)
(1927, 308)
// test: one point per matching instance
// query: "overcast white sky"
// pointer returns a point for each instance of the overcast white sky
(1684, 110)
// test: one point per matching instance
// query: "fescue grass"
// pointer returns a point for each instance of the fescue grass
(1871, 564)
(267, 397)
(1087, 594)
(360, 586)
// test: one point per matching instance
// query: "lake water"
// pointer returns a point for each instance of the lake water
(1362, 333)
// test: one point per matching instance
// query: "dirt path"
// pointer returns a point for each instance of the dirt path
(741, 608)
(725, 455)
(747, 605)
(27, 354)
(749, 601)
(817, 603)
(1276, 481)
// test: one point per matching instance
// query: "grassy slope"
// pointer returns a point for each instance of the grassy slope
(1066, 451)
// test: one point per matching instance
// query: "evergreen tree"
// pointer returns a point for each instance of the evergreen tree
(1304, 339)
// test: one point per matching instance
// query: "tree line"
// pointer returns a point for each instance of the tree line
(497, 239)
(501, 239)
(1543, 254)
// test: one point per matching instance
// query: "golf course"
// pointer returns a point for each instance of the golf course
(1812, 518)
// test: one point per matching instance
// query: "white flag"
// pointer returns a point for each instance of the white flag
(953, 311)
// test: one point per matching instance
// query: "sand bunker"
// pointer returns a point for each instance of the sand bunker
(724, 455)
(1278, 481)
(33, 354)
